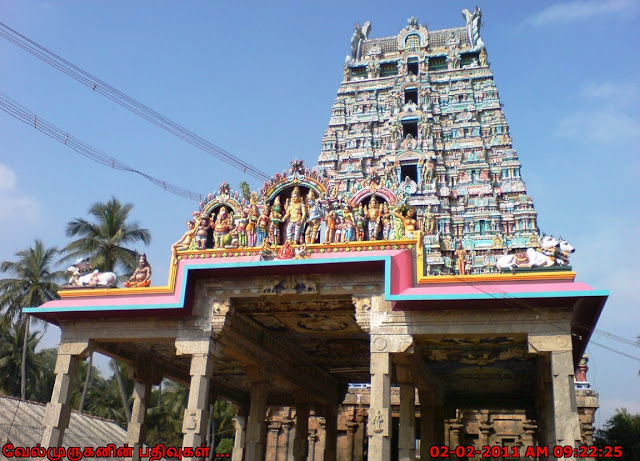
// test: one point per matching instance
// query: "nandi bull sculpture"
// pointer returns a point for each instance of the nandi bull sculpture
(82, 275)
(552, 253)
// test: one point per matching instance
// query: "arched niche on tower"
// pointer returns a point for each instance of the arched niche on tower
(412, 39)
(363, 196)
(213, 207)
(311, 190)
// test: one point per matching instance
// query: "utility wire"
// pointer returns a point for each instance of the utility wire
(127, 102)
(19, 112)
(503, 295)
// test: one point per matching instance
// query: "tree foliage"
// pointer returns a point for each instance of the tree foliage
(38, 365)
(105, 239)
(33, 282)
(622, 429)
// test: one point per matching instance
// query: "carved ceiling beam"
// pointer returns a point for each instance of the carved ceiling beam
(173, 370)
(424, 378)
(249, 342)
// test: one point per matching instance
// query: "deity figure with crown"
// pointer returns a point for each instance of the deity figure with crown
(314, 217)
(373, 215)
(296, 212)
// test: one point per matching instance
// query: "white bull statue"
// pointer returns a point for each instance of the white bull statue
(553, 253)
(83, 276)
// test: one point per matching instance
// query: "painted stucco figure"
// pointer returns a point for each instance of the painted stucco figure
(296, 212)
(141, 277)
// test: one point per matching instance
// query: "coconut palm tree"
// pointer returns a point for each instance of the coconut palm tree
(33, 283)
(245, 189)
(104, 240)
(12, 342)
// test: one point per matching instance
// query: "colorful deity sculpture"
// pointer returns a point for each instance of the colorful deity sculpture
(461, 259)
(348, 224)
(141, 276)
(262, 227)
(429, 222)
(373, 213)
(241, 228)
(332, 224)
(253, 217)
(360, 222)
(185, 240)
(314, 217)
(387, 222)
(202, 232)
(296, 212)
(222, 226)
(275, 219)
(408, 220)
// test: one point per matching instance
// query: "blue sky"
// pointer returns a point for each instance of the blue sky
(259, 78)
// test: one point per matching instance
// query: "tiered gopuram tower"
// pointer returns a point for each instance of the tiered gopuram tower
(381, 266)
(418, 117)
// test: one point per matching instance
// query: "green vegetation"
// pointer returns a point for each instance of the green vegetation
(31, 280)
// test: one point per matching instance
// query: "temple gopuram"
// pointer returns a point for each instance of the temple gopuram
(395, 301)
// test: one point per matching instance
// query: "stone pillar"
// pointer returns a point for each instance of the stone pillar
(58, 411)
(286, 449)
(565, 409)
(196, 415)
(454, 437)
(485, 433)
(352, 427)
(427, 436)
(256, 427)
(136, 430)
(358, 441)
(379, 427)
(272, 439)
(301, 441)
(240, 421)
(529, 437)
(313, 439)
(330, 432)
(431, 424)
(407, 433)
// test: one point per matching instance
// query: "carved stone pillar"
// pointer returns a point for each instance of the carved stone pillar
(240, 421)
(565, 409)
(454, 437)
(379, 427)
(256, 427)
(352, 427)
(196, 415)
(272, 439)
(529, 434)
(300, 442)
(407, 433)
(485, 434)
(286, 449)
(557, 406)
(58, 411)
(431, 423)
(136, 430)
(331, 432)
(313, 439)
(145, 374)
(358, 440)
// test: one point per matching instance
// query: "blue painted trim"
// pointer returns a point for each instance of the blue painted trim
(295, 262)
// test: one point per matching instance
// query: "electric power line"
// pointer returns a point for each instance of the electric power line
(127, 102)
(524, 304)
(21, 113)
